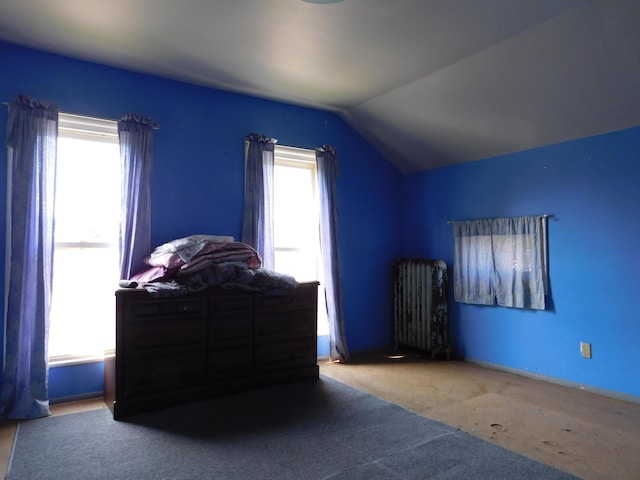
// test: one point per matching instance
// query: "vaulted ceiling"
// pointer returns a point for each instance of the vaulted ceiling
(429, 83)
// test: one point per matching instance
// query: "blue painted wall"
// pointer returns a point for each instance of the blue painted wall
(592, 188)
(73, 382)
(197, 182)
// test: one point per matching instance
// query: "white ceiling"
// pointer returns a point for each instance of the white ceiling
(428, 82)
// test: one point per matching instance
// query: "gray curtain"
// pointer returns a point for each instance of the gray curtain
(135, 135)
(501, 261)
(32, 133)
(518, 258)
(257, 222)
(328, 171)
(473, 264)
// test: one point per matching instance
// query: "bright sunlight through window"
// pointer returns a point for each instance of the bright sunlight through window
(297, 220)
(86, 266)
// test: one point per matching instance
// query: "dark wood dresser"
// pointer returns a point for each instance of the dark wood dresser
(174, 350)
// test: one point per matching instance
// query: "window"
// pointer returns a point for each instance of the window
(297, 219)
(87, 216)
(501, 261)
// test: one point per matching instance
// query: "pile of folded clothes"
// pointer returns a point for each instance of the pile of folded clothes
(197, 262)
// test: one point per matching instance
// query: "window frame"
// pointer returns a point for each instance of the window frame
(306, 158)
(303, 159)
(94, 129)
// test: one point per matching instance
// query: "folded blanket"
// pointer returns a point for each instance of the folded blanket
(197, 262)
(181, 250)
(217, 253)
(239, 276)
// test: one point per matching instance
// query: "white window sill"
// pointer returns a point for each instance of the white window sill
(65, 361)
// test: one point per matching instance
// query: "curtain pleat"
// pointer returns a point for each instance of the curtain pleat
(32, 132)
(257, 221)
(135, 135)
(473, 264)
(518, 273)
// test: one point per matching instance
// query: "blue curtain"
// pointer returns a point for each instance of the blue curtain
(328, 170)
(136, 153)
(257, 222)
(32, 133)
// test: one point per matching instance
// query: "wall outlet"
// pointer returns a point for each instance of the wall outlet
(585, 349)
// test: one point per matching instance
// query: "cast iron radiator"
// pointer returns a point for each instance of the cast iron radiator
(420, 305)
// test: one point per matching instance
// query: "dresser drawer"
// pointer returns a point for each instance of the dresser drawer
(231, 364)
(160, 375)
(274, 357)
(223, 302)
(281, 326)
(303, 298)
(183, 307)
(158, 338)
(229, 331)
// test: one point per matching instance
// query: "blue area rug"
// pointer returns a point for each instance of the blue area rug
(307, 430)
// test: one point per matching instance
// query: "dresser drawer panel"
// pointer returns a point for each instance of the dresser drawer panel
(281, 356)
(182, 307)
(303, 298)
(231, 364)
(225, 303)
(164, 375)
(225, 332)
(165, 337)
(285, 325)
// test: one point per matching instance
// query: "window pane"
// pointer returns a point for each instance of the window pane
(300, 264)
(87, 210)
(297, 221)
(87, 191)
(295, 218)
(83, 305)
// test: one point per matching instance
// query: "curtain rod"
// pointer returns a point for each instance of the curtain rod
(75, 114)
(544, 215)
